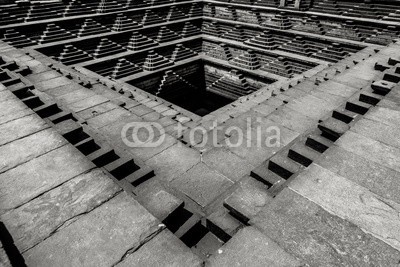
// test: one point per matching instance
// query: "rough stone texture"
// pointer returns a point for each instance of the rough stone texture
(292, 119)
(100, 238)
(158, 201)
(249, 247)
(384, 115)
(305, 230)
(202, 184)
(108, 117)
(38, 219)
(370, 149)
(21, 127)
(164, 249)
(173, 161)
(227, 163)
(27, 148)
(378, 179)
(28, 180)
(374, 214)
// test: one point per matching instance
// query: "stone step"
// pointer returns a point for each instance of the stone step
(283, 166)
(333, 128)
(370, 98)
(382, 87)
(344, 115)
(140, 176)
(87, 146)
(192, 221)
(61, 116)
(358, 107)
(103, 156)
(47, 110)
(222, 224)
(121, 168)
(318, 143)
(265, 175)
(303, 154)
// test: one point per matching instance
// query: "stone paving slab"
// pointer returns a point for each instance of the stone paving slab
(75, 96)
(293, 119)
(384, 115)
(100, 238)
(6, 95)
(338, 195)
(11, 107)
(38, 219)
(88, 103)
(52, 83)
(370, 149)
(29, 180)
(202, 184)
(174, 161)
(249, 247)
(63, 89)
(311, 106)
(21, 127)
(43, 76)
(27, 148)
(227, 163)
(96, 110)
(164, 249)
(109, 117)
(305, 230)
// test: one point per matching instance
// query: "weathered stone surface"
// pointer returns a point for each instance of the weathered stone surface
(387, 134)
(173, 161)
(227, 163)
(27, 148)
(52, 83)
(249, 247)
(338, 89)
(378, 179)
(311, 106)
(21, 127)
(164, 249)
(38, 219)
(384, 115)
(6, 95)
(156, 200)
(305, 230)
(108, 117)
(43, 76)
(96, 110)
(100, 238)
(249, 198)
(293, 119)
(370, 149)
(39, 175)
(202, 184)
(76, 96)
(88, 103)
(11, 107)
(4, 260)
(374, 214)
(15, 115)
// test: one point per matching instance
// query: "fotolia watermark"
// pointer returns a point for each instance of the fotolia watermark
(252, 134)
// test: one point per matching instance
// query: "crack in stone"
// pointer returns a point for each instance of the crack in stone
(142, 242)
(72, 219)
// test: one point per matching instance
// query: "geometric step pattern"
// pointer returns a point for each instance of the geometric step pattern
(264, 40)
(124, 68)
(155, 61)
(221, 51)
(72, 55)
(181, 53)
(122, 23)
(189, 30)
(90, 27)
(173, 86)
(166, 35)
(279, 66)
(248, 60)
(139, 42)
(106, 48)
(54, 33)
(17, 39)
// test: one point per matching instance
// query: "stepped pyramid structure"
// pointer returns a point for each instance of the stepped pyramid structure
(76, 8)
(310, 24)
(279, 66)
(332, 53)
(139, 42)
(264, 40)
(166, 35)
(346, 29)
(151, 18)
(17, 39)
(384, 36)
(173, 86)
(236, 34)
(195, 11)
(107, 48)
(181, 53)
(248, 60)
(124, 68)
(54, 33)
(232, 85)
(174, 14)
(212, 29)
(72, 55)
(281, 21)
(298, 45)
(221, 52)
(155, 61)
(122, 23)
(189, 30)
(90, 27)
(106, 6)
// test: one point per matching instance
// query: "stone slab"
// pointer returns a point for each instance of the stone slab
(173, 161)
(311, 106)
(28, 180)
(21, 127)
(249, 247)
(336, 194)
(87, 103)
(96, 110)
(52, 83)
(156, 199)
(99, 238)
(305, 230)
(6, 95)
(43, 76)
(202, 184)
(164, 249)
(293, 119)
(370, 149)
(75, 96)
(38, 219)
(384, 115)
(11, 107)
(27, 148)
(108, 117)
(378, 179)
